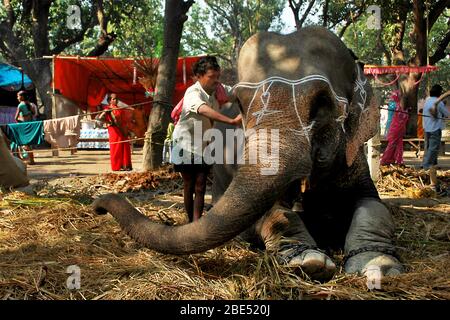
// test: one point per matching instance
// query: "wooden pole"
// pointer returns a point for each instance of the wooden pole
(55, 152)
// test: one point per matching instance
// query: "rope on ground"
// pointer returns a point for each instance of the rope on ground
(108, 110)
(418, 114)
(74, 148)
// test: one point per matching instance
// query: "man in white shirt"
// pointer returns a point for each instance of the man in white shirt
(433, 119)
(200, 109)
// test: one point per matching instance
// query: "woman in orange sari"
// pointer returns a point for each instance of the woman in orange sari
(120, 151)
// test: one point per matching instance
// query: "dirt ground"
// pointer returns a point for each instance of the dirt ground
(91, 162)
(44, 233)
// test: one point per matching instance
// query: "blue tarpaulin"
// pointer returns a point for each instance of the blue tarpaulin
(11, 78)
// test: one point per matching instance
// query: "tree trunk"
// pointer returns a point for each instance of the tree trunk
(44, 85)
(40, 73)
(409, 89)
(408, 84)
(174, 18)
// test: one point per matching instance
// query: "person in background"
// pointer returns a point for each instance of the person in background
(397, 129)
(200, 109)
(167, 149)
(392, 105)
(434, 114)
(26, 111)
(120, 151)
(420, 105)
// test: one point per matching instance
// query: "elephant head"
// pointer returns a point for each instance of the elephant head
(305, 91)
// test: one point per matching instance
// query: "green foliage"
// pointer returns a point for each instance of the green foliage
(340, 10)
(138, 25)
(141, 32)
(368, 44)
(364, 43)
(231, 23)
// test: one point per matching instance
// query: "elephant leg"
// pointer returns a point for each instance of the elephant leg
(284, 233)
(368, 245)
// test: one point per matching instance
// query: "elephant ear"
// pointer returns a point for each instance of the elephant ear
(363, 117)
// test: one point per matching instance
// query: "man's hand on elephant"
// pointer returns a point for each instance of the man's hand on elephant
(237, 121)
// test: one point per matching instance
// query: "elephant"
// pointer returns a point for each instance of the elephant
(307, 87)
(13, 172)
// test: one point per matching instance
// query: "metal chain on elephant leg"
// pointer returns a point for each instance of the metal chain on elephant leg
(387, 250)
(294, 250)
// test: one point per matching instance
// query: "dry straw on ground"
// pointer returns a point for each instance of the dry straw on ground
(41, 236)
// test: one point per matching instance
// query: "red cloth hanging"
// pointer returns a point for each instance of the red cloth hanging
(87, 80)
(373, 70)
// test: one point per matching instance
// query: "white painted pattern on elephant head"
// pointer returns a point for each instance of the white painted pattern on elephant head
(265, 99)
(360, 82)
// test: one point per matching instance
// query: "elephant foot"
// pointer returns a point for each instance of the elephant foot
(316, 264)
(373, 264)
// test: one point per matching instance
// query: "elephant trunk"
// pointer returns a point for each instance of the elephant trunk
(248, 197)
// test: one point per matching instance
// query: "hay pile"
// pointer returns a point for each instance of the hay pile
(405, 181)
(41, 236)
(161, 181)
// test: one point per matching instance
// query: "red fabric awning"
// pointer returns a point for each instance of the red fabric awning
(87, 80)
(374, 70)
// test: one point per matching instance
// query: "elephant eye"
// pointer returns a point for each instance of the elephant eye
(321, 108)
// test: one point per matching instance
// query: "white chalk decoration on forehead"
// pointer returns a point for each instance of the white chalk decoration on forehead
(306, 130)
(265, 97)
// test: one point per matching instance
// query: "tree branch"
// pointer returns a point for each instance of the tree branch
(62, 45)
(295, 7)
(397, 48)
(102, 20)
(352, 17)
(11, 18)
(102, 45)
(5, 50)
(436, 10)
(27, 6)
(440, 51)
(10, 43)
(348, 22)
(382, 45)
(105, 38)
(325, 14)
(306, 13)
(186, 5)
(419, 33)
(39, 27)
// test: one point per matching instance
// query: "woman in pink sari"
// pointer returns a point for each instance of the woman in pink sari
(394, 149)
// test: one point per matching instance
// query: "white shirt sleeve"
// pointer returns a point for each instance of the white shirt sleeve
(193, 99)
